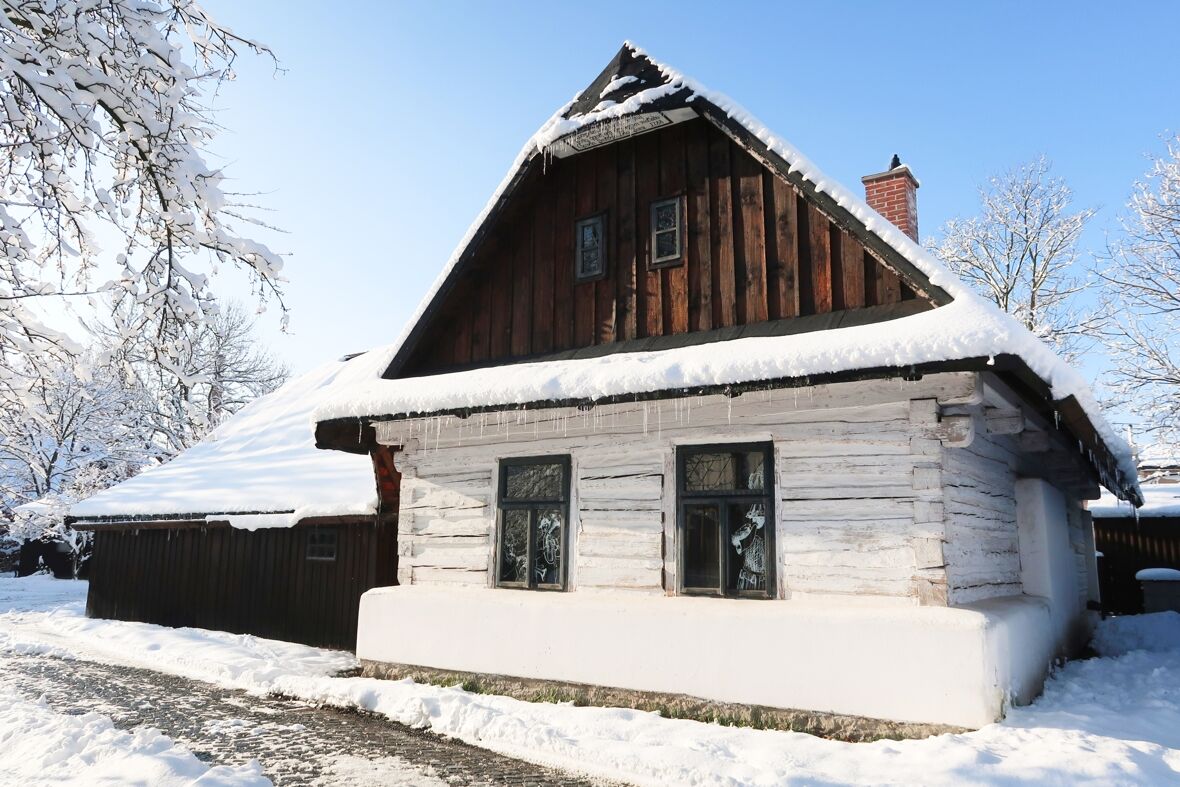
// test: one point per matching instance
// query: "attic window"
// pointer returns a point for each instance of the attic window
(590, 248)
(667, 232)
(321, 543)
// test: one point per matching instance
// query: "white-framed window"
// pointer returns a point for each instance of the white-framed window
(725, 520)
(667, 232)
(532, 522)
(590, 248)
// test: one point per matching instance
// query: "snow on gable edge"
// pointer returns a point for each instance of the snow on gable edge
(1063, 381)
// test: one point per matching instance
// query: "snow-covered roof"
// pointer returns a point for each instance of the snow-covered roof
(965, 327)
(1159, 500)
(260, 468)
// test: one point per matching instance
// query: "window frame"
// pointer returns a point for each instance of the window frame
(312, 532)
(533, 505)
(722, 499)
(602, 218)
(654, 262)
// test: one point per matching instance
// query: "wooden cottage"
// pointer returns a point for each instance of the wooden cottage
(252, 530)
(684, 416)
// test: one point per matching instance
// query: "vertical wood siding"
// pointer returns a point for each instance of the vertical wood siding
(1129, 546)
(245, 582)
(755, 251)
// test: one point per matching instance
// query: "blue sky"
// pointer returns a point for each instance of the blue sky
(392, 123)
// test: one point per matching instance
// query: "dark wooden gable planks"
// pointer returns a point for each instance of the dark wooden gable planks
(628, 244)
(585, 205)
(647, 188)
(700, 264)
(756, 250)
(721, 206)
(674, 279)
(606, 202)
(564, 211)
(750, 223)
(783, 237)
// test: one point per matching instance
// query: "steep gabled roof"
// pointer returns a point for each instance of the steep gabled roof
(964, 329)
(634, 89)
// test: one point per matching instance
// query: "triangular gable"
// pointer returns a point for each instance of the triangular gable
(632, 96)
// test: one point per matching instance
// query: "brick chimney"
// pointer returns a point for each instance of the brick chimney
(894, 194)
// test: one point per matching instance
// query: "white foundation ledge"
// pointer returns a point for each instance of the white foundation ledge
(935, 665)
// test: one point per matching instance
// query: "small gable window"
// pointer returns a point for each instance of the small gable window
(590, 248)
(667, 232)
(321, 543)
(534, 508)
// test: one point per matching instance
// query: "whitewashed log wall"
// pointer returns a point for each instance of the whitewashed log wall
(874, 496)
(983, 547)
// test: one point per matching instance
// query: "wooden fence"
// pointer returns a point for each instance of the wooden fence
(1127, 546)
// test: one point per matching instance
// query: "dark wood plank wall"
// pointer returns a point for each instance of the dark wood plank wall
(756, 251)
(1128, 546)
(258, 582)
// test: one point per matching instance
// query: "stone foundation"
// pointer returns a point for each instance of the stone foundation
(854, 729)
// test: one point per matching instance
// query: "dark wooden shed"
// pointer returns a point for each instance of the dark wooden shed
(254, 530)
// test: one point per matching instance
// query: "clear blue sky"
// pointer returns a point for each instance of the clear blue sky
(393, 122)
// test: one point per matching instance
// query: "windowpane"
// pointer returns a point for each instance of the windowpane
(321, 544)
(701, 547)
(534, 482)
(590, 264)
(666, 214)
(723, 471)
(547, 540)
(514, 546)
(590, 248)
(591, 235)
(747, 540)
(667, 245)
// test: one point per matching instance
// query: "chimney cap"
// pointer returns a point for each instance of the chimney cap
(896, 169)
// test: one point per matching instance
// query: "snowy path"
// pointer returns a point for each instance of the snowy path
(294, 742)
(1112, 720)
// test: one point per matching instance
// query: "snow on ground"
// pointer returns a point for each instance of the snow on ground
(1108, 720)
(40, 746)
(43, 615)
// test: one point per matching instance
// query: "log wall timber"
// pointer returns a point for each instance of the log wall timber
(259, 582)
(754, 250)
(983, 550)
(860, 503)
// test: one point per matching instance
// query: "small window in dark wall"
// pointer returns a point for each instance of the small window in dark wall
(531, 537)
(590, 248)
(726, 522)
(667, 232)
(321, 543)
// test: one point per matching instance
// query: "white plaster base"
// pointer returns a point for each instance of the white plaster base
(935, 665)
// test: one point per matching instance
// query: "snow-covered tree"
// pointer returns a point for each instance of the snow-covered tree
(222, 368)
(1021, 252)
(104, 122)
(75, 420)
(1144, 277)
(75, 429)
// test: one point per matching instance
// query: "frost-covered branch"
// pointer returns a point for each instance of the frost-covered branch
(1144, 278)
(1021, 252)
(102, 123)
